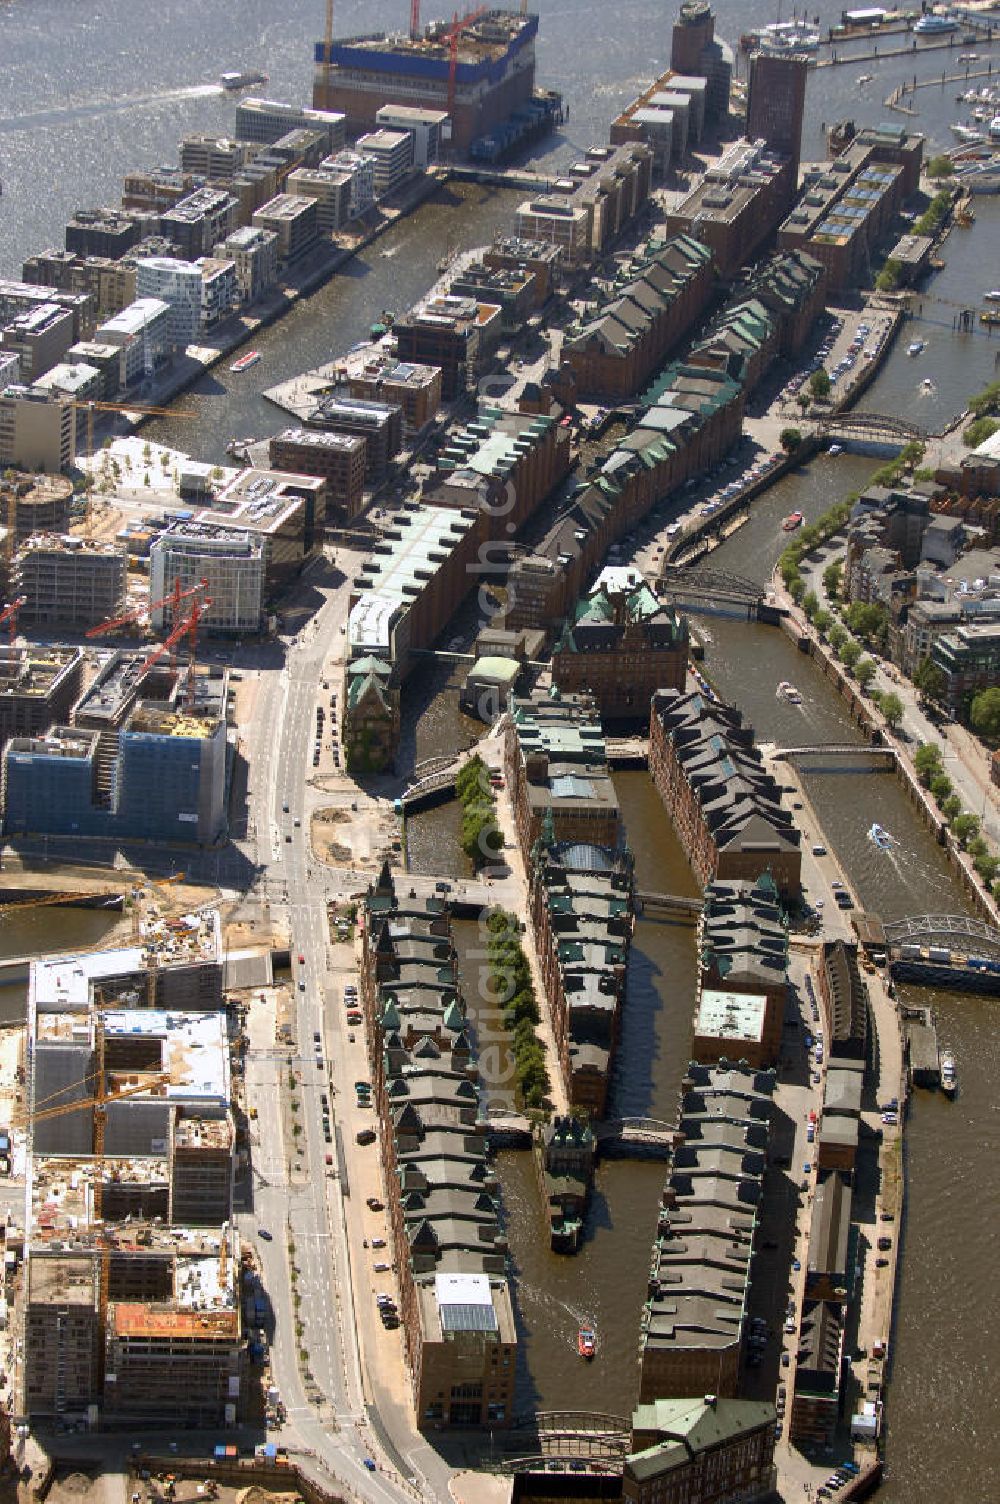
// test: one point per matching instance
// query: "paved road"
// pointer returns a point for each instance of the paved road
(305, 1208)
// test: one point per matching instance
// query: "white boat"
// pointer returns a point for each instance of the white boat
(865, 78)
(927, 385)
(949, 1074)
(880, 837)
(994, 128)
(835, 449)
(243, 79)
(992, 297)
(934, 26)
(915, 346)
(787, 691)
(245, 361)
(967, 135)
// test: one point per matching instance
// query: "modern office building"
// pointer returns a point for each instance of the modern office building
(339, 457)
(267, 120)
(37, 430)
(229, 560)
(450, 333)
(286, 511)
(102, 232)
(197, 223)
(407, 384)
(178, 284)
(738, 204)
(776, 102)
(695, 50)
(331, 191)
(588, 208)
(74, 379)
(380, 424)
(142, 330)
(449, 1246)
(694, 1318)
(215, 157)
(724, 805)
(152, 189)
(427, 127)
(392, 154)
(294, 220)
(254, 253)
(69, 582)
(361, 172)
(39, 337)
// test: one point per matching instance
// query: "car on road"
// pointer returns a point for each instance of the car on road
(362, 1086)
(382, 1267)
(796, 1265)
(354, 1018)
(328, 1159)
(262, 1232)
(819, 850)
(378, 1242)
(786, 1360)
(374, 1204)
(302, 986)
(371, 1464)
(365, 1136)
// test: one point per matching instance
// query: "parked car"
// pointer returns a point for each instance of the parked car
(374, 1204)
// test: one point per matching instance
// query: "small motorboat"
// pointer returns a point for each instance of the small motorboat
(586, 1342)
(787, 691)
(927, 385)
(915, 346)
(949, 1074)
(791, 522)
(245, 361)
(835, 449)
(880, 837)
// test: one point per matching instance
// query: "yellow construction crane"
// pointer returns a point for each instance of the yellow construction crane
(50, 898)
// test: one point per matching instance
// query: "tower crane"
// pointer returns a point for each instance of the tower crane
(186, 627)
(457, 27)
(130, 618)
(9, 615)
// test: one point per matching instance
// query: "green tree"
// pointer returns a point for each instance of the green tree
(889, 277)
(986, 866)
(941, 787)
(850, 653)
(952, 808)
(927, 762)
(810, 604)
(831, 578)
(940, 167)
(892, 708)
(984, 715)
(821, 621)
(804, 400)
(838, 637)
(979, 430)
(966, 827)
(930, 680)
(790, 439)
(867, 620)
(819, 384)
(797, 589)
(864, 672)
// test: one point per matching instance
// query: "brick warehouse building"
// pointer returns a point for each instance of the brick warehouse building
(725, 806)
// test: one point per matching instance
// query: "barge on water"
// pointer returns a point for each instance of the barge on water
(938, 966)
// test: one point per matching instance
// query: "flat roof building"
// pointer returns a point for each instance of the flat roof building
(230, 559)
(267, 120)
(392, 154)
(38, 686)
(70, 582)
(286, 510)
(340, 458)
(294, 220)
(380, 424)
(37, 429)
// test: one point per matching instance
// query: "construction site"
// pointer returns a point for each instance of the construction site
(479, 68)
(127, 1284)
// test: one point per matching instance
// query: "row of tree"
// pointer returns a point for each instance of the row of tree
(513, 991)
(480, 837)
(965, 827)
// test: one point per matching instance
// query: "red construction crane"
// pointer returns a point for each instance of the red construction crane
(186, 627)
(129, 618)
(414, 19)
(457, 27)
(9, 615)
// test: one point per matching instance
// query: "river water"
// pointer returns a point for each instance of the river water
(94, 87)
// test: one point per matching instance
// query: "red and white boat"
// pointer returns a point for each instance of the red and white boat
(245, 361)
(792, 521)
(586, 1342)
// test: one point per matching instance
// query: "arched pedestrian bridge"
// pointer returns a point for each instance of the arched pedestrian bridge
(955, 931)
(874, 426)
(634, 1138)
(710, 590)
